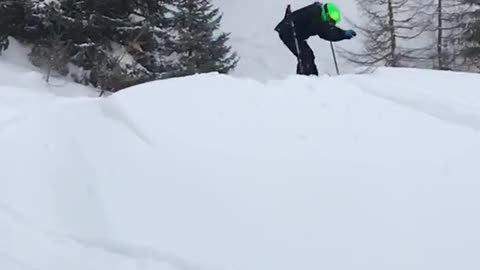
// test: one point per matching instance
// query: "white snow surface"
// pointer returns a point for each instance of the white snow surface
(212, 172)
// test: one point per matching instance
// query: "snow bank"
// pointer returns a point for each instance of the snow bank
(215, 172)
(16, 71)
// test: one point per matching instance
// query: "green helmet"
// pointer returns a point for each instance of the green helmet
(331, 13)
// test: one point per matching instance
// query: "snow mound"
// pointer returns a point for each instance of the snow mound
(375, 171)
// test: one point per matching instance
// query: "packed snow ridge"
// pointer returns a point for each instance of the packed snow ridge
(374, 171)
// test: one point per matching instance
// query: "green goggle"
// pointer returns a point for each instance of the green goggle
(335, 16)
(330, 13)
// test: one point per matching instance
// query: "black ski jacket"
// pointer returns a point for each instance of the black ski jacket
(308, 22)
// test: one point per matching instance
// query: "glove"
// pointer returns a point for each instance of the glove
(350, 34)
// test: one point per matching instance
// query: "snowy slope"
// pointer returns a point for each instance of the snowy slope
(262, 54)
(376, 171)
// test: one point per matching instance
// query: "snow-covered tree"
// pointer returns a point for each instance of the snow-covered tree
(153, 45)
(113, 44)
(199, 47)
(130, 34)
(43, 24)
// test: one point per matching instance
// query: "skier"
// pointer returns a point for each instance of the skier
(316, 19)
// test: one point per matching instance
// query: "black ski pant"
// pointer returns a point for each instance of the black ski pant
(305, 54)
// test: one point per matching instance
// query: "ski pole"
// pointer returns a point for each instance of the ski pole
(297, 47)
(334, 58)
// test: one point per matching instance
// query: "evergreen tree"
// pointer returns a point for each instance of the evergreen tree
(200, 50)
(119, 39)
(113, 44)
(43, 24)
(12, 15)
(153, 45)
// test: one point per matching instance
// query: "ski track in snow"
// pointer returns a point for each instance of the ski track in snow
(132, 252)
(92, 192)
(112, 110)
(13, 263)
(139, 253)
(446, 110)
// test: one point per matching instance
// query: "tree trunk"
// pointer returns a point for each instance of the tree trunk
(440, 37)
(391, 25)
